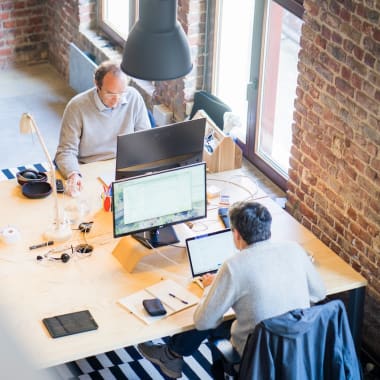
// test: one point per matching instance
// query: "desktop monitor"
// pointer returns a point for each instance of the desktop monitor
(147, 206)
(160, 148)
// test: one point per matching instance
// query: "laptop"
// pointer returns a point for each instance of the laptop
(209, 251)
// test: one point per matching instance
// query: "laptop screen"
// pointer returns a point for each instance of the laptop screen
(208, 252)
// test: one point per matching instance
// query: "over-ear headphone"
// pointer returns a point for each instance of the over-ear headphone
(64, 257)
(30, 175)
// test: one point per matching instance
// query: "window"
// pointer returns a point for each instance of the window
(116, 18)
(277, 87)
(232, 65)
(255, 73)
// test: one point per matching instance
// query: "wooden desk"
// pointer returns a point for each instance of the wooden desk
(31, 290)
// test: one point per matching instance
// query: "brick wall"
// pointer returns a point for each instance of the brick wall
(176, 93)
(23, 33)
(334, 186)
(65, 19)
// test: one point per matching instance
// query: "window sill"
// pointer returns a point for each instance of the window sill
(106, 49)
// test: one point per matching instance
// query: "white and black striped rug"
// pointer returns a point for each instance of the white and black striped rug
(10, 173)
(127, 363)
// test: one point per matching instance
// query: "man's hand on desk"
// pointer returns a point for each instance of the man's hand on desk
(207, 279)
(74, 184)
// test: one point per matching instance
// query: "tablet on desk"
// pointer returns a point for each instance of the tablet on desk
(209, 251)
(71, 323)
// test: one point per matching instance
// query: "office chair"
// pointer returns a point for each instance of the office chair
(212, 105)
(303, 344)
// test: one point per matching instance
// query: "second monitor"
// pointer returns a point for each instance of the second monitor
(160, 148)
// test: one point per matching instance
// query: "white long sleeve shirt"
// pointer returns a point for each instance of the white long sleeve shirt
(89, 129)
(262, 281)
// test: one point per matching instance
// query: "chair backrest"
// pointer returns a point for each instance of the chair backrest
(312, 343)
(212, 105)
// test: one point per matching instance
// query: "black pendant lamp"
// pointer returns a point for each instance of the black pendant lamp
(157, 48)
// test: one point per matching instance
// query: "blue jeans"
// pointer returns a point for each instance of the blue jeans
(188, 342)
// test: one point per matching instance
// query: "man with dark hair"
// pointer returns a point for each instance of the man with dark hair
(93, 119)
(264, 279)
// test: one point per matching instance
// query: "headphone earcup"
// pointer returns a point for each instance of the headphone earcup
(29, 174)
(65, 257)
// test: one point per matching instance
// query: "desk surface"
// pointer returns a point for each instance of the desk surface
(31, 290)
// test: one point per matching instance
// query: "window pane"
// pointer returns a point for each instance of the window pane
(116, 14)
(234, 56)
(278, 87)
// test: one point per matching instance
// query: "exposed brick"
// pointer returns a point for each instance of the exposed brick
(367, 102)
(356, 81)
(345, 14)
(376, 34)
(369, 60)
(19, 4)
(344, 86)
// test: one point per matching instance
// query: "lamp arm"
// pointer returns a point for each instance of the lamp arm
(52, 172)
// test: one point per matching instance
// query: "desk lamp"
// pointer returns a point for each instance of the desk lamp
(156, 48)
(59, 230)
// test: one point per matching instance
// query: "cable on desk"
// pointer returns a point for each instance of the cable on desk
(205, 228)
(161, 254)
(251, 194)
(107, 238)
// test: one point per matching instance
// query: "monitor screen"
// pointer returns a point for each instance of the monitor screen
(147, 206)
(160, 148)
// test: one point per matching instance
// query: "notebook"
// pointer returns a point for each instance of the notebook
(209, 251)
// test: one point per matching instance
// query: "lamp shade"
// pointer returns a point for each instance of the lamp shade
(157, 48)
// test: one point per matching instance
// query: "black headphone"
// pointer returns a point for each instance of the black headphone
(30, 175)
(84, 249)
(64, 257)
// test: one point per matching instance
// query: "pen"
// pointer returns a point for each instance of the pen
(179, 299)
(45, 244)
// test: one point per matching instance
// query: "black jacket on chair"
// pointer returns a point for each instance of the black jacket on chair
(303, 344)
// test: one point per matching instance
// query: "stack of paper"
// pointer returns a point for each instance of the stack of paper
(174, 297)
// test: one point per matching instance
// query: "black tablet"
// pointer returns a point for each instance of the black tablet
(71, 323)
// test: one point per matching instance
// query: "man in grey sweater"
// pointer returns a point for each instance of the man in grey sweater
(264, 279)
(93, 119)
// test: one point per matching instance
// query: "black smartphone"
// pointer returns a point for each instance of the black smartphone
(223, 214)
(59, 185)
(70, 323)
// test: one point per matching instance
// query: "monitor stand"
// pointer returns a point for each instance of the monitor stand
(129, 251)
(157, 237)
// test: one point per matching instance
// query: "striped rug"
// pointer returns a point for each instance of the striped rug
(127, 363)
(10, 173)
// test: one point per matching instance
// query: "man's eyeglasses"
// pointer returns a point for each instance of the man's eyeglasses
(113, 95)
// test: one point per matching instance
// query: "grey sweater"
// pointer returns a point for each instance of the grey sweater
(89, 129)
(262, 281)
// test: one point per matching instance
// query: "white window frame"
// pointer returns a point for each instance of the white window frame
(106, 25)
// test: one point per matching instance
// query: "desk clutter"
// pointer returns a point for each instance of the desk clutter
(97, 282)
(34, 184)
(158, 301)
(221, 152)
(9, 235)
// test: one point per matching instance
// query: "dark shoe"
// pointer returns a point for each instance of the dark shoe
(159, 354)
